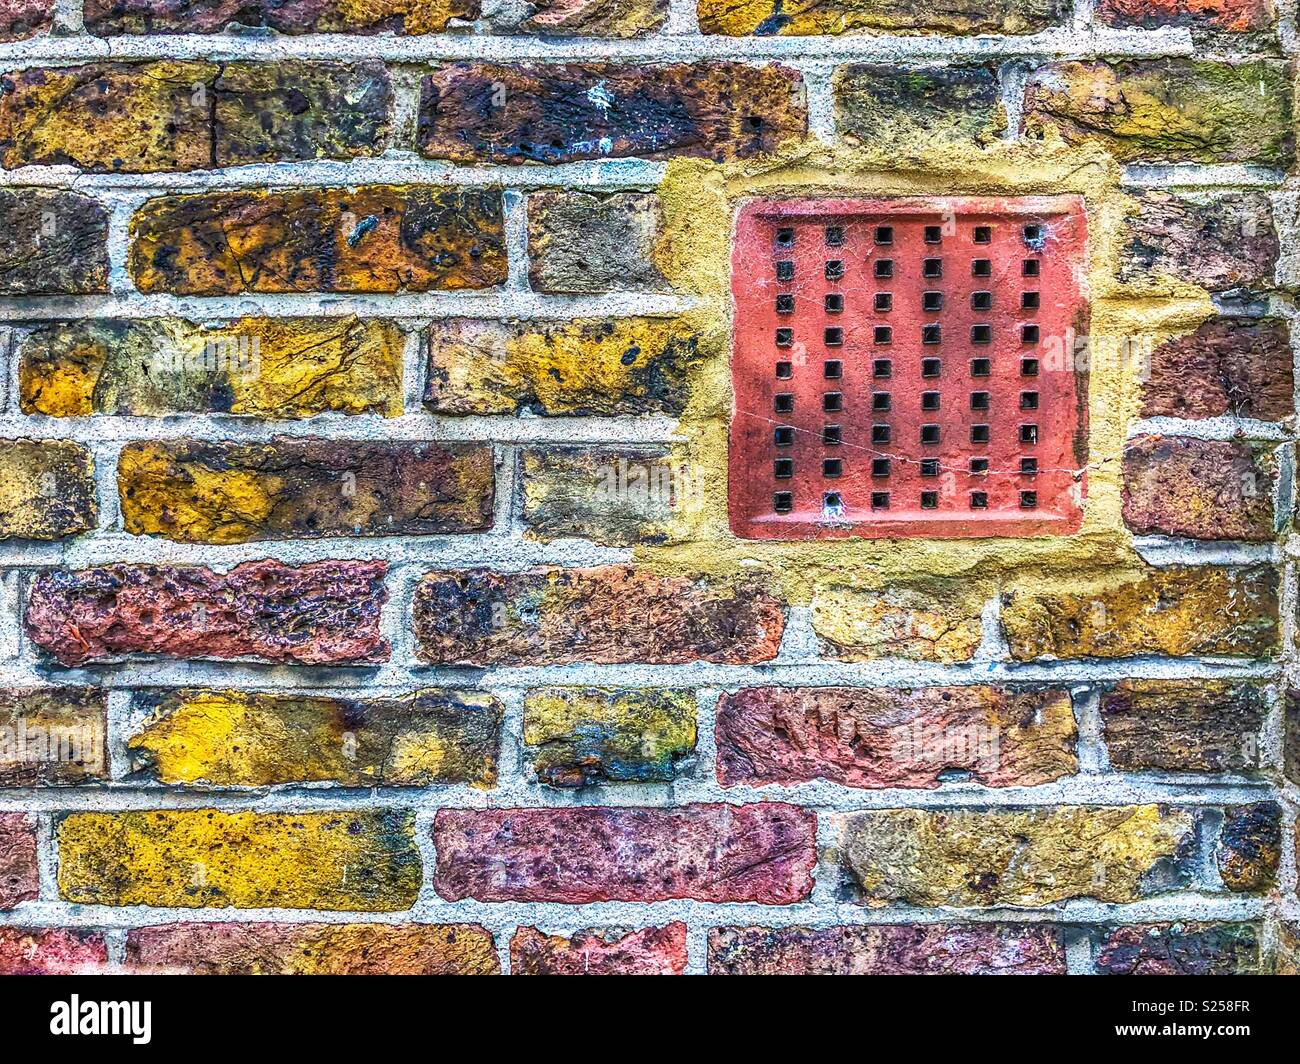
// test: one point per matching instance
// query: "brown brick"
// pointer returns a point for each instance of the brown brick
(170, 115)
(312, 949)
(1023, 857)
(359, 860)
(587, 18)
(1291, 742)
(887, 949)
(1183, 725)
(617, 496)
(895, 737)
(261, 739)
(53, 735)
(47, 489)
(24, 18)
(261, 367)
(1175, 611)
(1236, 366)
(888, 108)
(303, 488)
(610, 614)
(552, 113)
(1181, 949)
(109, 18)
(52, 243)
(590, 367)
(808, 17)
(51, 951)
(723, 853)
(1199, 489)
(1230, 16)
(1219, 241)
(318, 614)
(578, 242)
(375, 238)
(20, 879)
(1167, 110)
(650, 951)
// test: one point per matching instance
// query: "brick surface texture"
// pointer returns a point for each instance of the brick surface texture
(372, 595)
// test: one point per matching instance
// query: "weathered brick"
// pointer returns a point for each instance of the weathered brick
(47, 489)
(24, 18)
(1183, 725)
(52, 243)
(723, 853)
(109, 18)
(1219, 241)
(1181, 949)
(552, 113)
(255, 739)
(53, 735)
(1025, 857)
(620, 496)
(312, 949)
(807, 17)
(1175, 611)
(891, 109)
(20, 879)
(609, 614)
(171, 115)
(1231, 16)
(1288, 949)
(650, 951)
(888, 949)
(1249, 846)
(578, 242)
(577, 736)
(587, 18)
(374, 238)
(1237, 366)
(303, 488)
(1167, 110)
(321, 613)
(895, 737)
(51, 951)
(940, 621)
(1199, 489)
(360, 860)
(591, 367)
(261, 367)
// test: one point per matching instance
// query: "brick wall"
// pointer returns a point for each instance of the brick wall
(370, 601)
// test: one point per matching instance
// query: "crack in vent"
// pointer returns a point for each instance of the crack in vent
(908, 368)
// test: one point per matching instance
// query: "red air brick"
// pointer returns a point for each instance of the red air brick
(904, 368)
(711, 852)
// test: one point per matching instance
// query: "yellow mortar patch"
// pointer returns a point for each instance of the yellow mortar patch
(932, 625)
(700, 200)
(363, 861)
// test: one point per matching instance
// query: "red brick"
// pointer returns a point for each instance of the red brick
(313, 949)
(1233, 16)
(1198, 489)
(1237, 366)
(650, 951)
(895, 737)
(723, 853)
(24, 18)
(19, 877)
(611, 614)
(1181, 949)
(50, 951)
(319, 614)
(889, 949)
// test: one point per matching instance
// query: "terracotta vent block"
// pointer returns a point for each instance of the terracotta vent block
(907, 367)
